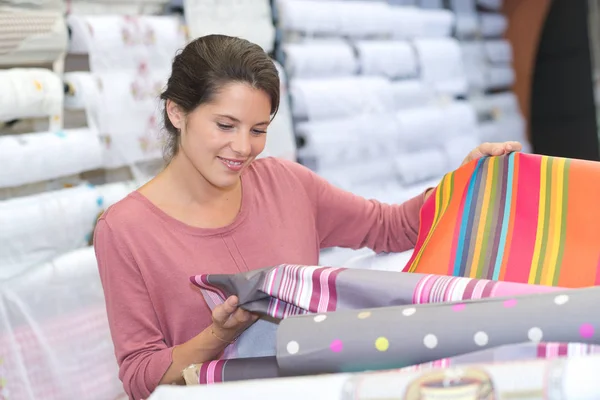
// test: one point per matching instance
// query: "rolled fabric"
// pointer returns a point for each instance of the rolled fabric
(495, 5)
(368, 339)
(36, 157)
(319, 58)
(475, 64)
(500, 76)
(30, 93)
(492, 25)
(420, 166)
(437, 23)
(340, 97)
(408, 22)
(441, 65)
(498, 51)
(82, 91)
(419, 127)
(391, 59)
(31, 37)
(537, 216)
(459, 147)
(232, 370)
(411, 93)
(497, 105)
(54, 324)
(310, 16)
(360, 19)
(288, 290)
(507, 128)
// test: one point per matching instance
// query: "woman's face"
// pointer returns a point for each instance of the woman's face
(223, 137)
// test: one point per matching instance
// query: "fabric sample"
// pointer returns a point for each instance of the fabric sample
(240, 369)
(289, 290)
(517, 218)
(370, 339)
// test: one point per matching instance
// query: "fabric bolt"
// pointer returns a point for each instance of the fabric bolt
(31, 93)
(419, 166)
(319, 58)
(288, 290)
(441, 64)
(36, 157)
(368, 339)
(517, 218)
(134, 240)
(391, 59)
(492, 24)
(31, 37)
(53, 324)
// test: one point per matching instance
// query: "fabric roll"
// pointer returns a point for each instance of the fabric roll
(31, 37)
(129, 116)
(30, 93)
(495, 5)
(53, 324)
(420, 127)
(131, 43)
(41, 227)
(361, 19)
(500, 76)
(82, 91)
(247, 19)
(36, 157)
(459, 119)
(467, 25)
(281, 292)
(111, 7)
(411, 93)
(54, 5)
(458, 147)
(556, 227)
(319, 58)
(497, 105)
(419, 166)
(474, 63)
(239, 369)
(358, 340)
(281, 141)
(391, 59)
(340, 97)
(492, 25)
(506, 128)
(408, 22)
(441, 65)
(437, 23)
(352, 175)
(498, 51)
(552, 379)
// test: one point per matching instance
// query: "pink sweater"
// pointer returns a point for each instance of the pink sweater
(288, 214)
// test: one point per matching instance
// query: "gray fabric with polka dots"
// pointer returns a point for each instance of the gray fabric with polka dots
(395, 337)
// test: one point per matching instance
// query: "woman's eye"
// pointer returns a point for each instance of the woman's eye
(224, 127)
(257, 132)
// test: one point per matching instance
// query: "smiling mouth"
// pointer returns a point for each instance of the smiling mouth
(234, 165)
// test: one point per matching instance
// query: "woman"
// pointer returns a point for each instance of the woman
(214, 209)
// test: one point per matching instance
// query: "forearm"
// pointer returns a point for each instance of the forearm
(203, 347)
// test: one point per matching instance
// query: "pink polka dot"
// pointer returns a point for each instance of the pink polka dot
(336, 346)
(458, 307)
(586, 331)
(510, 303)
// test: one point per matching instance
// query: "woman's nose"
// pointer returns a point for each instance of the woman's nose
(241, 144)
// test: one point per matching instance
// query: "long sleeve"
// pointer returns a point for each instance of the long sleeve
(347, 220)
(142, 354)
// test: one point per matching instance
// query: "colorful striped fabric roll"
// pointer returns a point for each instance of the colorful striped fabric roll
(520, 218)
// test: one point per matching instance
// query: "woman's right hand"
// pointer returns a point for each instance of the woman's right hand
(229, 321)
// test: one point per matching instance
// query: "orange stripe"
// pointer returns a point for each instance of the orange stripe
(583, 222)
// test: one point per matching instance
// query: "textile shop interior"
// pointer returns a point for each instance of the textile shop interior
(381, 98)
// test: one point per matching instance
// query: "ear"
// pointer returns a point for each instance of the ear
(176, 115)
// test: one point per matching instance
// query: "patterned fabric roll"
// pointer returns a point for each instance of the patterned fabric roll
(518, 218)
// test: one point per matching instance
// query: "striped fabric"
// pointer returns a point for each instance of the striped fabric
(519, 218)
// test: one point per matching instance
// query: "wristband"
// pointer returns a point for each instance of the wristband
(221, 339)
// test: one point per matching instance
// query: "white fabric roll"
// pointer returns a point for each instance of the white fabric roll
(320, 58)
(391, 59)
(340, 97)
(492, 25)
(129, 116)
(53, 325)
(37, 157)
(498, 51)
(364, 18)
(40, 227)
(508, 128)
(442, 65)
(281, 141)
(458, 148)
(407, 22)
(500, 76)
(357, 174)
(30, 93)
(467, 25)
(411, 94)
(31, 37)
(247, 19)
(110, 7)
(83, 91)
(474, 63)
(132, 43)
(437, 23)
(459, 118)
(420, 166)
(497, 105)
(420, 128)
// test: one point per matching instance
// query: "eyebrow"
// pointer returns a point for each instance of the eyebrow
(238, 121)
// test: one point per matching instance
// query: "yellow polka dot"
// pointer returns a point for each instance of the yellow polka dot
(37, 84)
(364, 315)
(382, 344)
(56, 118)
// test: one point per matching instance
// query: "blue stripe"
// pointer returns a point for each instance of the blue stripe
(505, 217)
(465, 219)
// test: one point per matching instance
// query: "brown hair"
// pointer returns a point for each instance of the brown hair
(208, 63)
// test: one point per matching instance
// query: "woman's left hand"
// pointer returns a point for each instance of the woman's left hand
(492, 149)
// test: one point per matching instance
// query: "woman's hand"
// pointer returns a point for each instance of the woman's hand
(492, 149)
(229, 321)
